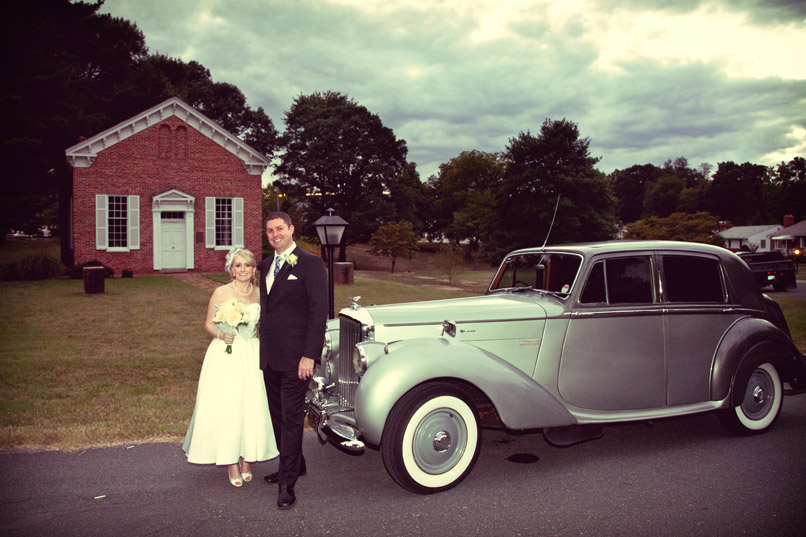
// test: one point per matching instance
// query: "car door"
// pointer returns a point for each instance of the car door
(613, 355)
(697, 316)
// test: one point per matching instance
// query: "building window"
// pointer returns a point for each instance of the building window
(223, 222)
(762, 244)
(224, 225)
(117, 222)
(118, 227)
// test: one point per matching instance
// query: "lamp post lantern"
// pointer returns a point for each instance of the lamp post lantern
(330, 229)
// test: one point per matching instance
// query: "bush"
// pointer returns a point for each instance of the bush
(35, 267)
(76, 272)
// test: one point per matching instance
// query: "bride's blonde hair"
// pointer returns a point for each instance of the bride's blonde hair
(247, 255)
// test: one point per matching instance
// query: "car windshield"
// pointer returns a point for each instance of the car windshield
(543, 271)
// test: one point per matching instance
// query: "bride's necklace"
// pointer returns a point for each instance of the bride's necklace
(247, 293)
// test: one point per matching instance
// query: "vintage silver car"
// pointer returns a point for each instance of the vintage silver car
(566, 339)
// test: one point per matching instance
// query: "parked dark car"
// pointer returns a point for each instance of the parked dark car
(566, 339)
(771, 268)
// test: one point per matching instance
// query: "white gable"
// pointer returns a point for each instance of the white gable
(83, 154)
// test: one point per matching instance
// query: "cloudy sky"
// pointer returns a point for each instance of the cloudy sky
(710, 81)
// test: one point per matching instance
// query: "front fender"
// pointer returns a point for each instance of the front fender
(746, 341)
(521, 402)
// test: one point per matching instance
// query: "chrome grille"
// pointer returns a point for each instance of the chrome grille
(349, 335)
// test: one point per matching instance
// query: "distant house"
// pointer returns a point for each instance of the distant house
(749, 238)
(790, 238)
(166, 190)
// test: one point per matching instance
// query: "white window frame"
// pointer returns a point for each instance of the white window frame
(102, 223)
(210, 224)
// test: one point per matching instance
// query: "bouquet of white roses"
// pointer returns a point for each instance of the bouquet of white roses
(230, 315)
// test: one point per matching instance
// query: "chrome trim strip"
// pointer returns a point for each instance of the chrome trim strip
(475, 321)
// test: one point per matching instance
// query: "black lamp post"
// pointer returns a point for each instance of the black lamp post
(330, 229)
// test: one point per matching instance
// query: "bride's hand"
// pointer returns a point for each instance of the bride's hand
(226, 337)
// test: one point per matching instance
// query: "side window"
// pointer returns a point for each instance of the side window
(594, 292)
(692, 279)
(621, 280)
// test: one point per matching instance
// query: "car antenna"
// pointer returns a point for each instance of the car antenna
(556, 206)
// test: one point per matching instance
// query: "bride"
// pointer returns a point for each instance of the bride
(231, 424)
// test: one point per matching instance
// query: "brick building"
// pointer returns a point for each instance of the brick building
(166, 190)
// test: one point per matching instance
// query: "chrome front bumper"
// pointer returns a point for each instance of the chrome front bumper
(330, 420)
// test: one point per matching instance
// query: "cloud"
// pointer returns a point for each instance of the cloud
(645, 81)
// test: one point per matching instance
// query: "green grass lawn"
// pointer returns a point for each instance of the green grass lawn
(16, 249)
(80, 370)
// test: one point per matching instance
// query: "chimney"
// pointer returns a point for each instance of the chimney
(789, 220)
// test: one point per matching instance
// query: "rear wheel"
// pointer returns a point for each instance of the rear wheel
(432, 439)
(761, 405)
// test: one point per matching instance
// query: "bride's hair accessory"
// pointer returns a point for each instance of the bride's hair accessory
(230, 258)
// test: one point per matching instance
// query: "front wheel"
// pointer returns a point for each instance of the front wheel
(431, 440)
(761, 405)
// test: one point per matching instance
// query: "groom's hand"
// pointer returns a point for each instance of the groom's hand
(305, 370)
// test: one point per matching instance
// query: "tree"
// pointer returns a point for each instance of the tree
(629, 188)
(339, 155)
(408, 199)
(464, 194)
(541, 169)
(787, 193)
(393, 240)
(737, 193)
(697, 227)
(449, 260)
(71, 72)
(663, 195)
(61, 61)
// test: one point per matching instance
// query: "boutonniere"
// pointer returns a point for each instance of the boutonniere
(291, 260)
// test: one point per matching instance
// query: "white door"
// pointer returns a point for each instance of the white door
(172, 244)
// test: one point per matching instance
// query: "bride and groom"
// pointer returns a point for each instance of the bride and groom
(232, 420)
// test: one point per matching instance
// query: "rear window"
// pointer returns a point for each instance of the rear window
(692, 279)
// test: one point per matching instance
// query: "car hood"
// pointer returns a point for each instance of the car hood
(424, 319)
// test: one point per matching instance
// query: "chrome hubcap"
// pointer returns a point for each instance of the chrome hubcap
(439, 441)
(759, 395)
(442, 441)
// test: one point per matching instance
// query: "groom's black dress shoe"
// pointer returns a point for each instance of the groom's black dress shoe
(275, 477)
(286, 498)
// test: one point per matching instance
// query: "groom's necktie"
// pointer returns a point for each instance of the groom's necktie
(277, 261)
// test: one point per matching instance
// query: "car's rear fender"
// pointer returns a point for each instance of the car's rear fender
(521, 403)
(749, 341)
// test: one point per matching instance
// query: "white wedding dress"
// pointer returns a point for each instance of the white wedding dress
(231, 418)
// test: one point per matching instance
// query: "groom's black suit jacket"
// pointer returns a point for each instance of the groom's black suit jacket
(293, 313)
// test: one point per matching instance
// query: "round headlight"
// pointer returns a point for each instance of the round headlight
(359, 360)
(327, 348)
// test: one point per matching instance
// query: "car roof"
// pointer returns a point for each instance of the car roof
(617, 246)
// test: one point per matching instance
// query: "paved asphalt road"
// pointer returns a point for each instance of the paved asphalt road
(799, 292)
(673, 477)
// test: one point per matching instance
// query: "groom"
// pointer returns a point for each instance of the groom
(293, 315)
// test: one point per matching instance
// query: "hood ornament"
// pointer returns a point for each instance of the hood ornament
(354, 305)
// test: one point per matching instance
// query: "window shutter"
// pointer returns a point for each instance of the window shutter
(209, 223)
(134, 222)
(101, 240)
(237, 222)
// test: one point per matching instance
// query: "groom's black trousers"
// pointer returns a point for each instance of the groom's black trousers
(286, 394)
